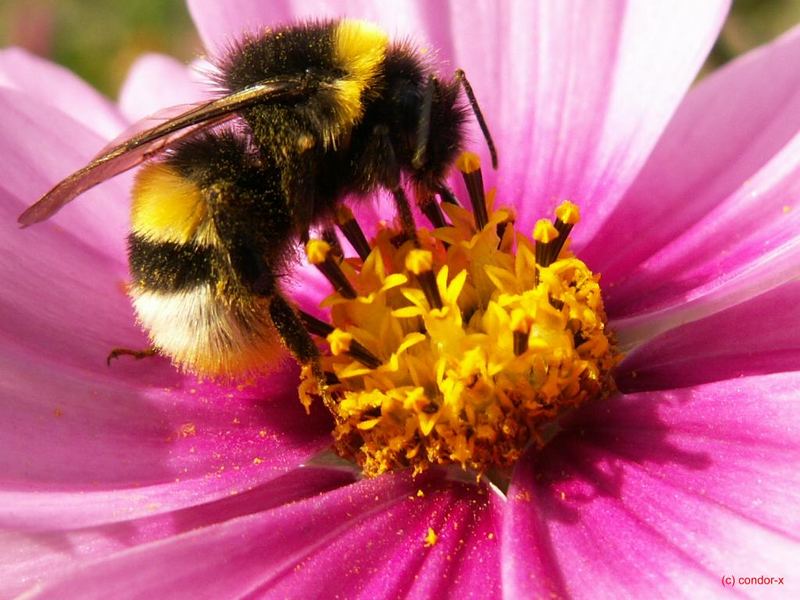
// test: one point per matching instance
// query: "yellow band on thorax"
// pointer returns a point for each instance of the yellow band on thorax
(359, 50)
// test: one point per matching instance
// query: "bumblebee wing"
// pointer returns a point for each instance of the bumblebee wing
(149, 122)
(148, 142)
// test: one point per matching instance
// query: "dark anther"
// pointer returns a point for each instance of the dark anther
(334, 274)
(353, 232)
(315, 326)
(427, 281)
(520, 342)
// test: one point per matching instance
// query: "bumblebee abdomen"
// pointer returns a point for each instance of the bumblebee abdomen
(191, 213)
(169, 266)
(207, 324)
(167, 206)
(206, 333)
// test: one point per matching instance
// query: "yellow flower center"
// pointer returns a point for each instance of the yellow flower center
(464, 346)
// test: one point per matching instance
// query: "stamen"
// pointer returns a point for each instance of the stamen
(420, 263)
(446, 195)
(520, 324)
(502, 227)
(520, 343)
(471, 345)
(354, 348)
(546, 237)
(343, 343)
(315, 326)
(352, 231)
(567, 215)
(320, 255)
(329, 235)
(431, 209)
(470, 166)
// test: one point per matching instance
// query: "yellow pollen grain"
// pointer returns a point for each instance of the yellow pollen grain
(568, 212)
(468, 162)
(419, 261)
(431, 538)
(317, 251)
(544, 231)
(340, 341)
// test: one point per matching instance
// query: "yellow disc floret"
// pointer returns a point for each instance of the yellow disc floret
(482, 343)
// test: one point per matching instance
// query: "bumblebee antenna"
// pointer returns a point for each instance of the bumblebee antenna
(473, 102)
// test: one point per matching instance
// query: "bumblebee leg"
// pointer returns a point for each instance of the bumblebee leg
(391, 180)
(424, 124)
(461, 77)
(404, 212)
(299, 179)
(297, 339)
(292, 331)
(137, 354)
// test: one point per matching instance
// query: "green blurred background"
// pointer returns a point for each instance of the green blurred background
(99, 39)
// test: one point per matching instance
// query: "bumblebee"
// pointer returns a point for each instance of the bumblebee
(310, 114)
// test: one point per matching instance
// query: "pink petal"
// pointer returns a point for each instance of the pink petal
(221, 23)
(761, 335)
(156, 81)
(83, 450)
(362, 541)
(734, 123)
(722, 220)
(32, 559)
(580, 120)
(41, 145)
(107, 444)
(661, 493)
(576, 93)
(59, 88)
(734, 276)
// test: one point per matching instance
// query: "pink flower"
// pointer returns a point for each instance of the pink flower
(137, 481)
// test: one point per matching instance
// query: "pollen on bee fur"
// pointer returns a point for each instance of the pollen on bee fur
(480, 339)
